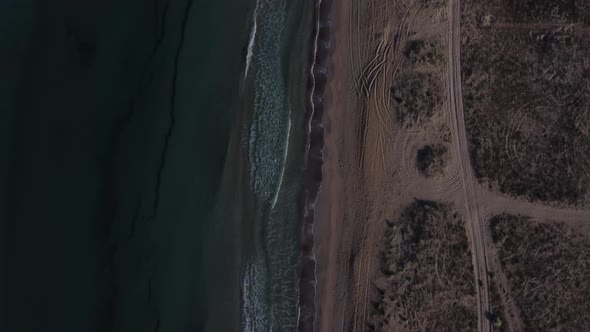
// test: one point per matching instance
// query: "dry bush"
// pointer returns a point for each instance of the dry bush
(417, 91)
(534, 11)
(416, 96)
(547, 266)
(432, 160)
(427, 280)
(497, 316)
(526, 97)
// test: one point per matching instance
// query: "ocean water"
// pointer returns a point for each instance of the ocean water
(96, 252)
(274, 139)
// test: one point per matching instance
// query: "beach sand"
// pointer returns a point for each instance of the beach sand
(369, 172)
(331, 204)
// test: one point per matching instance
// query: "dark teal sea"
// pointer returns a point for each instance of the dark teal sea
(151, 159)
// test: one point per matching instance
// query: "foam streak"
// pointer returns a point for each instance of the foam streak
(252, 39)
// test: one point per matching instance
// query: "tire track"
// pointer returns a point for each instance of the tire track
(499, 204)
(474, 226)
(434, 188)
(375, 88)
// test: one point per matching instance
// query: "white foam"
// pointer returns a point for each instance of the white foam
(269, 130)
(286, 148)
(254, 308)
(252, 39)
(267, 146)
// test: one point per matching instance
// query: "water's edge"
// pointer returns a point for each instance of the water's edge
(314, 161)
(276, 138)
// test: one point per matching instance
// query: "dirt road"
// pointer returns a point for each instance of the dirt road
(475, 227)
(481, 204)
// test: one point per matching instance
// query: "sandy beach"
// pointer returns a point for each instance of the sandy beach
(369, 175)
(333, 233)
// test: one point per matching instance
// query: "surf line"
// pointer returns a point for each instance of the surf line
(252, 39)
(286, 145)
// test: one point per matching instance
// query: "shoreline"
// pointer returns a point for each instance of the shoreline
(314, 162)
(279, 220)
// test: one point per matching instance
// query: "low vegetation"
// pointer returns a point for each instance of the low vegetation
(526, 97)
(426, 280)
(432, 160)
(417, 92)
(547, 267)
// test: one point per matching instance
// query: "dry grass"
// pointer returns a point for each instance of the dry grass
(527, 90)
(418, 91)
(426, 280)
(547, 266)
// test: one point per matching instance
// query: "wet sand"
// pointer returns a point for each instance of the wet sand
(313, 177)
(331, 202)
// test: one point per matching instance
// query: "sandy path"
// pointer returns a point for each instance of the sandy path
(474, 225)
(498, 204)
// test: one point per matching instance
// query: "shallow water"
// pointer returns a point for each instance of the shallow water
(275, 142)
